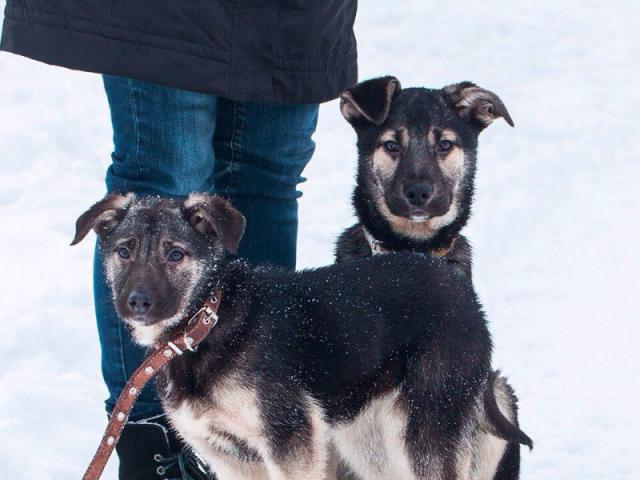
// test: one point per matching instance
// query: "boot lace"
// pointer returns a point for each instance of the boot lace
(186, 462)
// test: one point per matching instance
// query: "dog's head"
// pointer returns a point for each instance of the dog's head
(417, 150)
(160, 255)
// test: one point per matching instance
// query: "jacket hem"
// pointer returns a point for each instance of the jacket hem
(93, 52)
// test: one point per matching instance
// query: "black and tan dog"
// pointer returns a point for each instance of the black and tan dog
(391, 373)
(417, 162)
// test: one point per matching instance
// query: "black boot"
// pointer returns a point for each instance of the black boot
(149, 450)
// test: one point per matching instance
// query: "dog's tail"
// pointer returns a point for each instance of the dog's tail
(502, 427)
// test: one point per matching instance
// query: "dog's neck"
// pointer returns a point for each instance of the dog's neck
(380, 230)
(380, 248)
(221, 349)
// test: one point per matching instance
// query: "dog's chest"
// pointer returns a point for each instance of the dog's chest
(226, 421)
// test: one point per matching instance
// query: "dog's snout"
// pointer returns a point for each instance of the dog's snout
(139, 302)
(417, 193)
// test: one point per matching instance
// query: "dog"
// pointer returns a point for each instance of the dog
(391, 374)
(417, 161)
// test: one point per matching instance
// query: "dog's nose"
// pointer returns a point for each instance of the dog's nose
(139, 302)
(417, 193)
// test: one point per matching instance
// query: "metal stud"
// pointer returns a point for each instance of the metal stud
(120, 416)
(148, 370)
(133, 391)
(110, 441)
(168, 353)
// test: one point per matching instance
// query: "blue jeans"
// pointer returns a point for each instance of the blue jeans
(172, 142)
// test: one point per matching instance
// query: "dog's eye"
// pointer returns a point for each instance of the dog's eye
(123, 252)
(391, 146)
(445, 145)
(175, 255)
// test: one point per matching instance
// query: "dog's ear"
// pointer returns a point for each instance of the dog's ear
(103, 216)
(370, 100)
(477, 105)
(214, 216)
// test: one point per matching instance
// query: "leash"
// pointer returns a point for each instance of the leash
(378, 248)
(197, 329)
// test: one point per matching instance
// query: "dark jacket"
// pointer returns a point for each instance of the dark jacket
(280, 51)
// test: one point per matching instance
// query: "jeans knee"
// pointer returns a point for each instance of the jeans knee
(265, 150)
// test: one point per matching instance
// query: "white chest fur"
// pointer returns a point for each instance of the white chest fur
(215, 425)
(210, 424)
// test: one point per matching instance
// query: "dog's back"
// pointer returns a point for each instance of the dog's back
(388, 305)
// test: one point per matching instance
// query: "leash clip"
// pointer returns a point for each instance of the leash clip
(378, 247)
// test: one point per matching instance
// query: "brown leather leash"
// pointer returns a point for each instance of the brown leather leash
(196, 330)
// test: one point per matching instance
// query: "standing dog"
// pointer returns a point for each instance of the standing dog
(391, 372)
(417, 161)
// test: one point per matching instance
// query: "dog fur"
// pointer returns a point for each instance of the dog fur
(385, 359)
(418, 122)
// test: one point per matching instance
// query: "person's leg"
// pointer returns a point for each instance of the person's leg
(261, 150)
(162, 146)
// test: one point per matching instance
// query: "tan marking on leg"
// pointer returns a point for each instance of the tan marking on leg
(466, 449)
(313, 461)
(487, 456)
(464, 462)
(373, 444)
(227, 468)
(332, 463)
(490, 449)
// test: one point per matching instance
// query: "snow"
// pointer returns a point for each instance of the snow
(555, 227)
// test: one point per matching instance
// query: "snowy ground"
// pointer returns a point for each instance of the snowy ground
(555, 227)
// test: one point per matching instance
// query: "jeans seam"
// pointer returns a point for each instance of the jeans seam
(233, 146)
(122, 360)
(135, 119)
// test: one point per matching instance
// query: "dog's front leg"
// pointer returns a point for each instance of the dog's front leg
(299, 445)
(307, 464)
(305, 457)
(227, 468)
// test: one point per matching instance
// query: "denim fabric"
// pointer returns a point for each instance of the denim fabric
(171, 142)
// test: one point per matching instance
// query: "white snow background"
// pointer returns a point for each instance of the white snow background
(555, 226)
